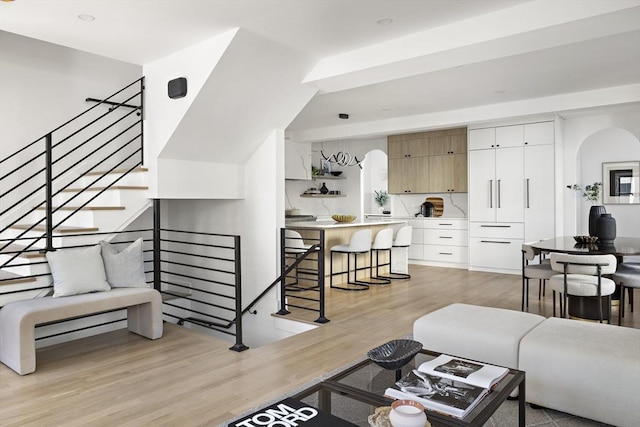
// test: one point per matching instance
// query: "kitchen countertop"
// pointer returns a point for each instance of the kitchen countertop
(358, 223)
(377, 216)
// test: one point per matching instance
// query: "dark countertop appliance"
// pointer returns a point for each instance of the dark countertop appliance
(426, 209)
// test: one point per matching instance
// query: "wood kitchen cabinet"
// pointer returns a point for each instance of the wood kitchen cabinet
(448, 173)
(428, 162)
(405, 146)
(408, 175)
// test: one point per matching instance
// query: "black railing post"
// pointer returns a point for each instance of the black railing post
(142, 121)
(49, 191)
(156, 244)
(238, 346)
(283, 267)
(321, 318)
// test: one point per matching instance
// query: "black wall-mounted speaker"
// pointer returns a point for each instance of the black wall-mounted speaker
(177, 88)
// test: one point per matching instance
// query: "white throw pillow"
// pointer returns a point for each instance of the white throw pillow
(125, 268)
(77, 271)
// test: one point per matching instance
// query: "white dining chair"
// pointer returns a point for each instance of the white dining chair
(581, 276)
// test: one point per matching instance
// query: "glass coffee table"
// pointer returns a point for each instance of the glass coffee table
(355, 392)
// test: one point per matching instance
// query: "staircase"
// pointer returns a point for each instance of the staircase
(72, 187)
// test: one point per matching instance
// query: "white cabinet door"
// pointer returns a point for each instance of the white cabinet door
(482, 184)
(480, 139)
(502, 255)
(297, 160)
(539, 133)
(510, 136)
(509, 190)
(539, 209)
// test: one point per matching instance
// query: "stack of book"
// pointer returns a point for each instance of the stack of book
(448, 384)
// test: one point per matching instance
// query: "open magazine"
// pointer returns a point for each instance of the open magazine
(448, 384)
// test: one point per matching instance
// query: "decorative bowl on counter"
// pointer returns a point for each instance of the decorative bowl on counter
(343, 218)
(336, 173)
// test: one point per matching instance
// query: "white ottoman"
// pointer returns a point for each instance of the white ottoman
(587, 369)
(486, 334)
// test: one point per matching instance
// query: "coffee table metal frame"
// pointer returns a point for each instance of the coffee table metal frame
(477, 417)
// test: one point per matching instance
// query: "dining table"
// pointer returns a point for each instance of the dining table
(621, 247)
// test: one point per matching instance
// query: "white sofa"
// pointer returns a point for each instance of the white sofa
(587, 369)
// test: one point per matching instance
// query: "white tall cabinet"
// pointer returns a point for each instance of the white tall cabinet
(511, 193)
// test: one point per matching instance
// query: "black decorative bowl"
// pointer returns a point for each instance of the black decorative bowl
(585, 239)
(394, 354)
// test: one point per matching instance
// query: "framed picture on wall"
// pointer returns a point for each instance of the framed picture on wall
(621, 183)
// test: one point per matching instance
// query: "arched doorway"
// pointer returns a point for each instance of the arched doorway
(597, 151)
(374, 178)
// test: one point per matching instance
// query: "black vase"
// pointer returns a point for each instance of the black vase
(594, 214)
(606, 228)
(324, 189)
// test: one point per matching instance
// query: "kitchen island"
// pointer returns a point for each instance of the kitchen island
(339, 233)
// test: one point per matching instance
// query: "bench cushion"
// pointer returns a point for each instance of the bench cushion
(487, 334)
(584, 368)
(19, 318)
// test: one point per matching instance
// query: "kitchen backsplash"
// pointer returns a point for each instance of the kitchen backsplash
(455, 204)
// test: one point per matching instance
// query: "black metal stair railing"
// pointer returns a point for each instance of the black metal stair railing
(302, 275)
(197, 273)
(93, 144)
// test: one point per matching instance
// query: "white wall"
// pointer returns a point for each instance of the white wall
(257, 219)
(164, 114)
(589, 141)
(42, 85)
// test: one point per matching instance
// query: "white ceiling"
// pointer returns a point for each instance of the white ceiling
(437, 55)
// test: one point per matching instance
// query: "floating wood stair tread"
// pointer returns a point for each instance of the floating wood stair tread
(87, 208)
(60, 229)
(7, 278)
(138, 169)
(13, 248)
(113, 187)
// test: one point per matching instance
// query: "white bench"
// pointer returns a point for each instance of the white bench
(19, 318)
(583, 368)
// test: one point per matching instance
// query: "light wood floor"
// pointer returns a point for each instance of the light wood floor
(190, 379)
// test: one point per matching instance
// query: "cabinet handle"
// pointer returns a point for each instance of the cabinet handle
(495, 226)
(445, 237)
(499, 194)
(491, 192)
(528, 193)
(445, 253)
(443, 224)
(494, 241)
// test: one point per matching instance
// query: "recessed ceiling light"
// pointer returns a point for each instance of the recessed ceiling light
(384, 21)
(7, 1)
(86, 17)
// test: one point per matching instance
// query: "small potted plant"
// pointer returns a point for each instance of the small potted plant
(381, 198)
(591, 192)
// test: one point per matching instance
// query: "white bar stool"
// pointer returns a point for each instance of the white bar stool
(360, 243)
